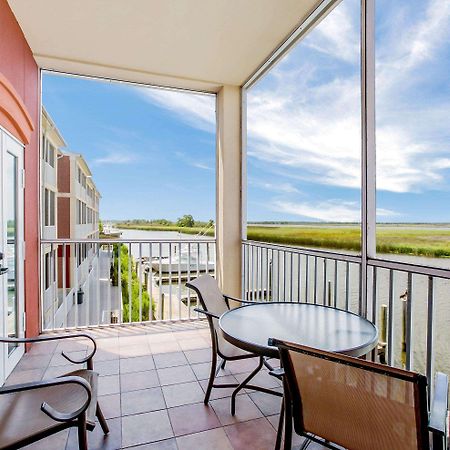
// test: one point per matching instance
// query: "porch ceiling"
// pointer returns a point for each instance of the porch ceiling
(197, 44)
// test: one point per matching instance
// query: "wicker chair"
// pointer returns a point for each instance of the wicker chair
(337, 400)
(214, 304)
(32, 411)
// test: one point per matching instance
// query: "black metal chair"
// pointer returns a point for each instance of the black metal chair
(32, 411)
(337, 400)
(214, 304)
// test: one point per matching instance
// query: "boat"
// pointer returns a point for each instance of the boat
(109, 230)
(175, 264)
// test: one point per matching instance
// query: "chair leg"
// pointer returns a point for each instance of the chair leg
(212, 376)
(82, 433)
(287, 423)
(222, 366)
(280, 427)
(243, 384)
(101, 419)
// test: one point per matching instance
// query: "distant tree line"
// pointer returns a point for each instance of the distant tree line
(186, 221)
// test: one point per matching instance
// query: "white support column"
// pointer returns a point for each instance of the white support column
(228, 190)
(368, 159)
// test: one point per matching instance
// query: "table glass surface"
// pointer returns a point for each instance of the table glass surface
(330, 329)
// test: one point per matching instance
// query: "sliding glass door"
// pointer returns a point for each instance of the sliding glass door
(11, 250)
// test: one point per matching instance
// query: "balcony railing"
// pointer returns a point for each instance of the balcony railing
(409, 303)
(95, 282)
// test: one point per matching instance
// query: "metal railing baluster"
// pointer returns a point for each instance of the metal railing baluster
(307, 279)
(179, 281)
(161, 298)
(198, 273)
(347, 285)
(119, 282)
(299, 282)
(291, 280)
(97, 284)
(170, 281)
(150, 281)
(64, 282)
(390, 337)
(315, 280)
(188, 280)
(139, 275)
(335, 283)
(409, 324)
(76, 287)
(430, 335)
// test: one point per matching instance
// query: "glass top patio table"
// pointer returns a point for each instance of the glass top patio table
(250, 327)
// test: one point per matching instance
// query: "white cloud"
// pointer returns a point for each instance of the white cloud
(287, 188)
(327, 211)
(203, 166)
(194, 162)
(310, 128)
(115, 158)
(197, 109)
(316, 128)
(337, 35)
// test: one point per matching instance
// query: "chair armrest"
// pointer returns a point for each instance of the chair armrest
(277, 373)
(207, 313)
(240, 300)
(439, 405)
(88, 358)
(45, 407)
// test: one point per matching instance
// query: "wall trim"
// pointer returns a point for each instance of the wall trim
(14, 116)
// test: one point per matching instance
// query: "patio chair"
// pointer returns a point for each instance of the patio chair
(214, 304)
(337, 400)
(32, 411)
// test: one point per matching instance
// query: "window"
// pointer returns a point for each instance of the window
(46, 208)
(51, 154)
(50, 274)
(52, 212)
(78, 212)
(49, 212)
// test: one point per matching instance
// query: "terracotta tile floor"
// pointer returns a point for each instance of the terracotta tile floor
(151, 389)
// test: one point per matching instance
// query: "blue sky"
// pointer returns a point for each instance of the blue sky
(146, 161)
(152, 151)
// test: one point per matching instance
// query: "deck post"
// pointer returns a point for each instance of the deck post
(228, 190)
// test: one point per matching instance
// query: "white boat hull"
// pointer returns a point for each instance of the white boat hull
(174, 266)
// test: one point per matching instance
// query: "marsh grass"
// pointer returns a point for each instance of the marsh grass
(417, 241)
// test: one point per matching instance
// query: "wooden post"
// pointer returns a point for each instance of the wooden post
(383, 334)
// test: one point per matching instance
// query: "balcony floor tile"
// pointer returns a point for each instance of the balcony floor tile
(151, 390)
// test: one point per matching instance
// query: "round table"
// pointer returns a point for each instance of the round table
(249, 328)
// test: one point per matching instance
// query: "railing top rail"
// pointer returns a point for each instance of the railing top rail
(416, 269)
(305, 251)
(128, 241)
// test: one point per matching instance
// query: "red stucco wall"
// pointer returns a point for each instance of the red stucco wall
(20, 69)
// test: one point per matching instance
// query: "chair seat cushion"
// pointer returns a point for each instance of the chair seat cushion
(21, 417)
(231, 351)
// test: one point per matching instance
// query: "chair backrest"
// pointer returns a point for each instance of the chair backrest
(212, 300)
(209, 294)
(354, 403)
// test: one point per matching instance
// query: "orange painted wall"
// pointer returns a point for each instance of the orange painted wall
(18, 66)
